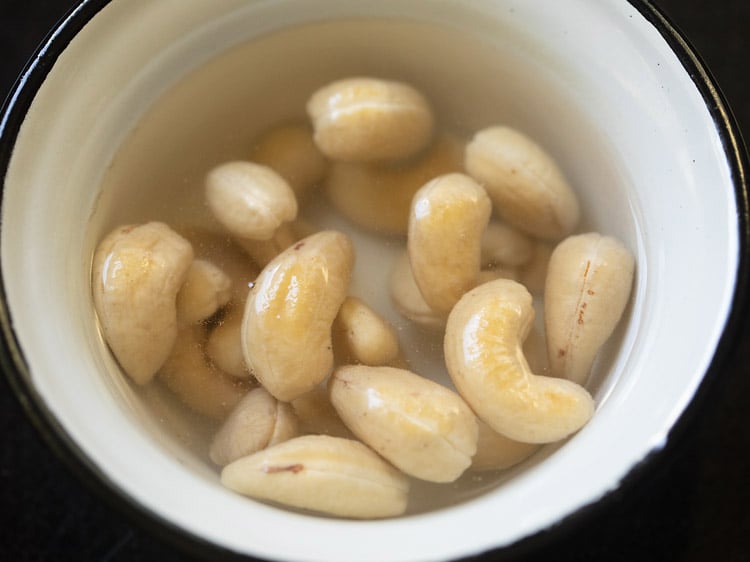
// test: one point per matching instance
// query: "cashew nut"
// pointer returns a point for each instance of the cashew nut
(367, 119)
(224, 345)
(497, 452)
(526, 186)
(588, 286)
(200, 385)
(483, 354)
(322, 473)
(408, 299)
(286, 329)
(291, 152)
(378, 197)
(257, 422)
(205, 290)
(136, 274)
(361, 335)
(421, 427)
(448, 216)
(503, 245)
(317, 415)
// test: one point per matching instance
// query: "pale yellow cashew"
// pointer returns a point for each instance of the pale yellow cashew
(526, 186)
(326, 474)
(136, 273)
(205, 290)
(286, 329)
(447, 219)
(361, 335)
(589, 280)
(497, 452)
(257, 422)
(368, 119)
(421, 427)
(484, 357)
(224, 345)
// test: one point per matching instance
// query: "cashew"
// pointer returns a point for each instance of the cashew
(286, 328)
(497, 452)
(361, 335)
(533, 275)
(367, 119)
(423, 428)
(326, 474)
(195, 381)
(205, 290)
(503, 245)
(224, 345)
(525, 184)
(136, 274)
(317, 415)
(257, 422)
(588, 286)
(407, 298)
(483, 354)
(250, 200)
(291, 152)
(448, 217)
(378, 197)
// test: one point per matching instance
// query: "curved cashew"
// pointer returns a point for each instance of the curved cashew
(448, 217)
(200, 385)
(205, 290)
(367, 119)
(378, 197)
(286, 329)
(249, 199)
(503, 245)
(408, 299)
(136, 274)
(483, 339)
(525, 184)
(257, 422)
(423, 428)
(322, 473)
(588, 286)
(497, 452)
(224, 345)
(361, 335)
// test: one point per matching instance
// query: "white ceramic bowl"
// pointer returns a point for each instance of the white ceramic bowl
(608, 87)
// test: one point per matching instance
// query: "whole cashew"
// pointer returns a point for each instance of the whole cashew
(361, 335)
(205, 290)
(224, 345)
(588, 286)
(448, 216)
(526, 186)
(286, 328)
(483, 339)
(136, 273)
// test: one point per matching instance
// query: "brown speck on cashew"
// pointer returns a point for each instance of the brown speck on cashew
(294, 468)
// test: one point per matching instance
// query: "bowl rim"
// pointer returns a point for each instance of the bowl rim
(17, 373)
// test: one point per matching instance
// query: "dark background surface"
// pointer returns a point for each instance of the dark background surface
(692, 503)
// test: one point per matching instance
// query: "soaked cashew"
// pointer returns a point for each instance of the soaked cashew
(423, 428)
(361, 335)
(448, 216)
(200, 385)
(408, 299)
(497, 452)
(250, 200)
(136, 273)
(588, 286)
(257, 422)
(526, 186)
(205, 290)
(224, 345)
(367, 119)
(483, 339)
(503, 245)
(326, 474)
(378, 197)
(286, 329)
(317, 415)
(291, 152)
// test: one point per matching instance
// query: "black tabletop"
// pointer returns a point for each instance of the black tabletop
(692, 504)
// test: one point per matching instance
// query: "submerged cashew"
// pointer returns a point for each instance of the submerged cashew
(361, 335)
(525, 184)
(483, 339)
(286, 329)
(367, 119)
(200, 385)
(408, 299)
(378, 197)
(588, 285)
(224, 345)
(326, 474)
(503, 245)
(317, 415)
(205, 290)
(257, 422)
(497, 452)
(136, 274)
(448, 217)
(249, 199)
(291, 151)
(423, 428)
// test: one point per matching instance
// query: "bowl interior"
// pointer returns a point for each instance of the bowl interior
(125, 134)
